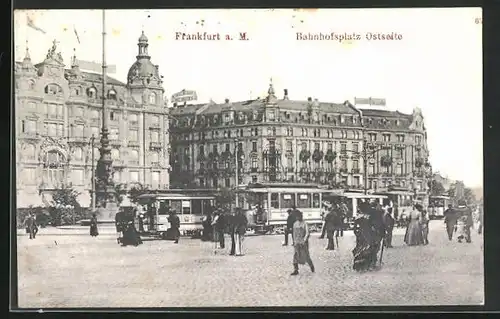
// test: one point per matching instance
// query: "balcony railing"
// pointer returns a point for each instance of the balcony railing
(155, 145)
(133, 143)
(343, 170)
(356, 171)
(134, 162)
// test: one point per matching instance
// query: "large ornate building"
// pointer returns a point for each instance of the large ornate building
(284, 140)
(58, 110)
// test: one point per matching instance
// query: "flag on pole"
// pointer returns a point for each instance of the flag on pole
(32, 25)
(76, 33)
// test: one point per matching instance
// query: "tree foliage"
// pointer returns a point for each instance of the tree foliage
(65, 208)
(225, 197)
(135, 191)
(436, 188)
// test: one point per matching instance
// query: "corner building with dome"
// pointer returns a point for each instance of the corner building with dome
(57, 111)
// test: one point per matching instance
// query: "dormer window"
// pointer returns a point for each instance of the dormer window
(270, 116)
(152, 98)
(112, 94)
(31, 85)
(354, 120)
(397, 122)
(53, 89)
(92, 93)
(370, 121)
(342, 119)
(226, 118)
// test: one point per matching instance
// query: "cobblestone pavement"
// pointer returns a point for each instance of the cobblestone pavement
(80, 271)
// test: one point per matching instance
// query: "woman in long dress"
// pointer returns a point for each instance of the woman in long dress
(301, 244)
(365, 234)
(130, 235)
(413, 235)
(94, 232)
(461, 225)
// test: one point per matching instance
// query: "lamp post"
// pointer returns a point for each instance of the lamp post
(92, 141)
(237, 182)
(105, 192)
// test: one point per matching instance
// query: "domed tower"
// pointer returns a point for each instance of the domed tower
(143, 80)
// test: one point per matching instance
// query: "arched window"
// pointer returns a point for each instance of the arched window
(30, 151)
(112, 94)
(78, 154)
(152, 98)
(115, 154)
(53, 172)
(53, 89)
(92, 92)
(31, 84)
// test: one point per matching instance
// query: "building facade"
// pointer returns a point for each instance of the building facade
(282, 140)
(58, 110)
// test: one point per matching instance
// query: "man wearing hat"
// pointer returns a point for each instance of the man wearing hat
(289, 225)
(450, 219)
(175, 224)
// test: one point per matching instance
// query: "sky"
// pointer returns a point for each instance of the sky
(436, 65)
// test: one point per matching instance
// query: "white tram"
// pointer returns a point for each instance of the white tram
(190, 207)
(437, 206)
(267, 204)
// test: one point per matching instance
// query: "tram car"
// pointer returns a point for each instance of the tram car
(267, 205)
(190, 207)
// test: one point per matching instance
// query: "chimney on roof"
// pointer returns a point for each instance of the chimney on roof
(309, 99)
(227, 101)
(285, 95)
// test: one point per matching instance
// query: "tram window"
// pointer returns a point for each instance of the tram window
(275, 201)
(163, 208)
(304, 201)
(316, 202)
(186, 207)
(196, 206)
(176, 205)
(287, 200)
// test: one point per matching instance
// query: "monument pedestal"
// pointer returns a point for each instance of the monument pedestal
(106, 215)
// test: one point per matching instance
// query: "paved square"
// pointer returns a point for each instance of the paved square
(80, 271)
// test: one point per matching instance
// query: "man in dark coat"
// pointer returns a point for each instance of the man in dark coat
(450, 219)
(331, 226)
(31, 226)
(232, 224)
(289, 225)
(389, 227)
(175, 224)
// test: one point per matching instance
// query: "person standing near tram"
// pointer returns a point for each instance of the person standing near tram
(175, 225)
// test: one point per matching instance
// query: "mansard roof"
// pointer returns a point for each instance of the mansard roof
(87, 76)
(384, 113)
(242, 106)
